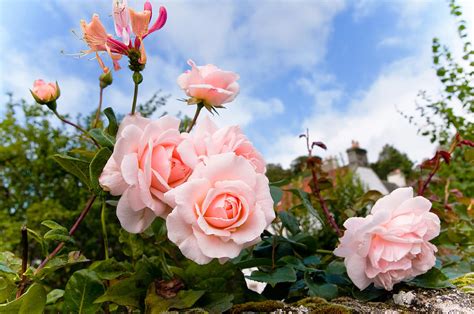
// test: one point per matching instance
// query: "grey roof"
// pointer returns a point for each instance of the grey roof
(370, 179)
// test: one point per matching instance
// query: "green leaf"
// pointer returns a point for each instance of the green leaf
(254, 262)
(75, 166)
(307, 204)
(289, 222)
(112, 128)
(103, 139)
(282, 274)
(217, 302)
(31, 302)
(276, 193)
(433, 279)
(110, 269)
(57, 232)
(133, 244)
(125, 293)
(155, 304)
(323, 290)
(54, 296)
(11, 262)
(97, 165)
(81, 291)
(7, 289)
(61, 261)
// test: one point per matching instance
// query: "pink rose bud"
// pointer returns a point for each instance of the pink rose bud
(220, 210)
(45, 93)
(391, 244)
(209, 85)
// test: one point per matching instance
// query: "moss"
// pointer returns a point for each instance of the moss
(320, 305)
(465, 283)
(264, 306)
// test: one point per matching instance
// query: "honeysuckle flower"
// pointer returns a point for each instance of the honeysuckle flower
(45, 93)
(140, 25)
(98, 40)
(208, 85)
(391, 244)
(125, 20)
(122, 20)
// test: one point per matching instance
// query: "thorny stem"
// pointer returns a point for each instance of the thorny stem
(97, 114)
(104, 229)
(196, 115)
(73, 229)
(135, 95)
(315, 188)
(76, 126)
(24, 261)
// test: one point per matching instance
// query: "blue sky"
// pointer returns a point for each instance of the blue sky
(338, 67)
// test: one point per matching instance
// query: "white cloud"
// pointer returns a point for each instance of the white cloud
(372, 118)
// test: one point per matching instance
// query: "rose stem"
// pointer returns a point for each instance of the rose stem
(104, 229)
(24, 261)
(73, 229)
(97, 114)
(315, 189)
(196, 115)
(76, 126)
(433, 171)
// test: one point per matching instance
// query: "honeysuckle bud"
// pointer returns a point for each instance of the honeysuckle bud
(106, 79)
(46, 93)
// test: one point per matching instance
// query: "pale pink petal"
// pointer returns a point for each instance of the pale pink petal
(214, 247)
(111, 179)
(355, 266)
(129, 168)
(134, 221)
(393, 200)
(251, 229)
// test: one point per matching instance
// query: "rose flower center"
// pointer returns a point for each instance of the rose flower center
(224, 211)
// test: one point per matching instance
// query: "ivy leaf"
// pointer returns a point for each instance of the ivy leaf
(103, 139)
(33, 301)
(282, 274)
(112, 128)
(81, 291)
(97, 165)
(75, 166)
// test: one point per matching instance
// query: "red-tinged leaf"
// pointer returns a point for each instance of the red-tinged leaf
(302, 135)
(320, 144)
(445, 155)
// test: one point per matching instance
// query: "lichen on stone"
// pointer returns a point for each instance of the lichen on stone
(465, 283)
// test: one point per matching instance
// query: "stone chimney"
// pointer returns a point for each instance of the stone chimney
(357, 156)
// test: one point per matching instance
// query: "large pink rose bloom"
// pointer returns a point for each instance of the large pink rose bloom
(209, 84)
(144, 165)
(222, 208)
(390, 244)
(207, 139)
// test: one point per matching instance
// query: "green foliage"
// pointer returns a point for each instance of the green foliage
(391, 159)
(81, 290)
(32, 301)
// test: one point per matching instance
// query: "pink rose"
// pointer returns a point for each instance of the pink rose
(390, 244)
(210, 84)
(207, 140)
(222, 208)
(144, 165)
(44, 92)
